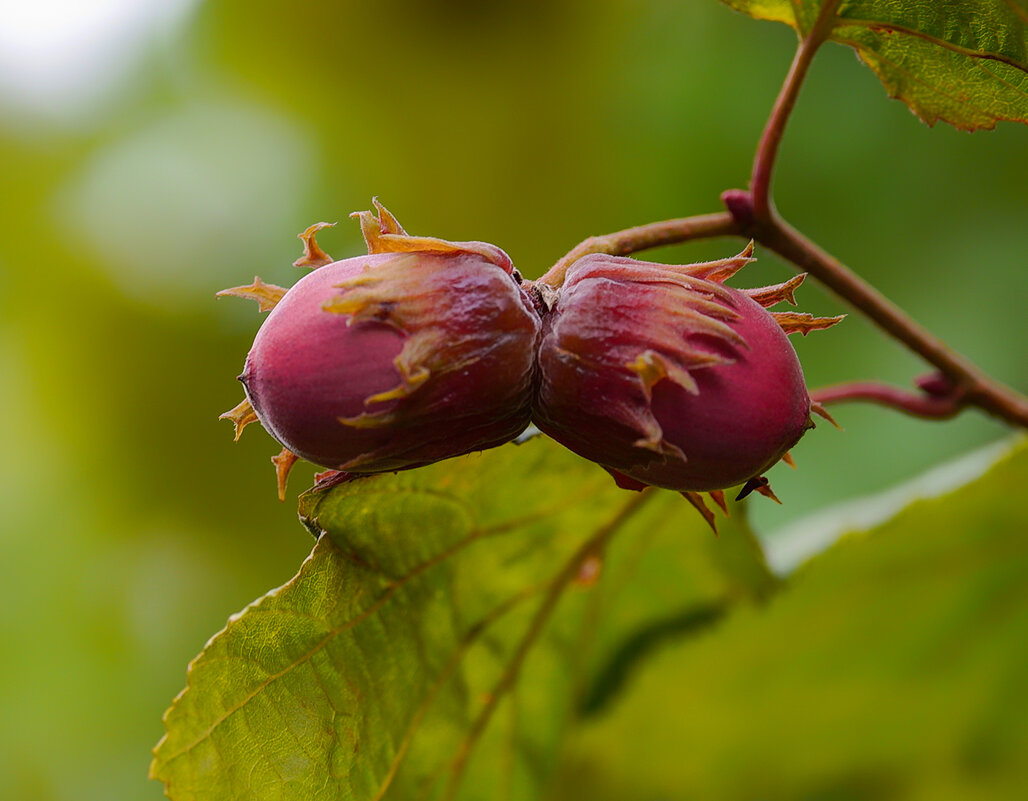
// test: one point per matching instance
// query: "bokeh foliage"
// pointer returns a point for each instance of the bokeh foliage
(887, 669)
(130, 526)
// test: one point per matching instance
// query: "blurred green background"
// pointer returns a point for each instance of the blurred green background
(152, 153)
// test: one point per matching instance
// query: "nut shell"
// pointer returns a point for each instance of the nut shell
(394, 360)
(668, 378)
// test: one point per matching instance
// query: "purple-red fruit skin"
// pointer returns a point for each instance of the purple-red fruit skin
(743, 414)
(312, 374)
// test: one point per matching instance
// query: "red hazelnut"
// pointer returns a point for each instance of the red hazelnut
(419, 351)
(667, 377)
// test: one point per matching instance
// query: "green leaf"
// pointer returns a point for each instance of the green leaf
(964, 62)
(446, 627)
(892, 667)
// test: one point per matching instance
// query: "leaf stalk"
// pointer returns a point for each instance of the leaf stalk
(774, 129)
(921, 405)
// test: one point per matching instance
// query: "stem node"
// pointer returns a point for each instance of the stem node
(739, 203)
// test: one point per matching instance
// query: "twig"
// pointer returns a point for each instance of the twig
(916, 405)
(771, 138)
(978, 388)
(643, 237)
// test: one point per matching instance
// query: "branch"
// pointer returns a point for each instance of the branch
(770, 139)
(643, 237)
(932, 407)
(977, 387)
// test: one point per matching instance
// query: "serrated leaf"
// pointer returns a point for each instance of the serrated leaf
(891, 667)
(964, 62)
(445, 627)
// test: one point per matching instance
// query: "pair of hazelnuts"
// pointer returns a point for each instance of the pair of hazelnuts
(426, 349)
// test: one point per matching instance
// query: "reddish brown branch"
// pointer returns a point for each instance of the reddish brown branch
(643, 237)
(914, 404)
(771, 138)
(978, 388)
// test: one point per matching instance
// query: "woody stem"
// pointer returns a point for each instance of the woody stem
(915, 404)
(643, 237)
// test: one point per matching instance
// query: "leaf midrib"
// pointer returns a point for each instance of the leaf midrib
(960, 49)
(393, 588)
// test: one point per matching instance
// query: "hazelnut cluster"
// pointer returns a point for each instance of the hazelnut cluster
(426, 349)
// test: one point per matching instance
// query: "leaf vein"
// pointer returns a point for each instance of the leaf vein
(329, 635)
(558, 584)
(393, 588)
(1001, 79)
(863, 49)
(960, 49)
(469, 638)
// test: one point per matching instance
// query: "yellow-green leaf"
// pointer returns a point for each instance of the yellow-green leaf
(446, 626)
(964, 62)
(892, 667)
